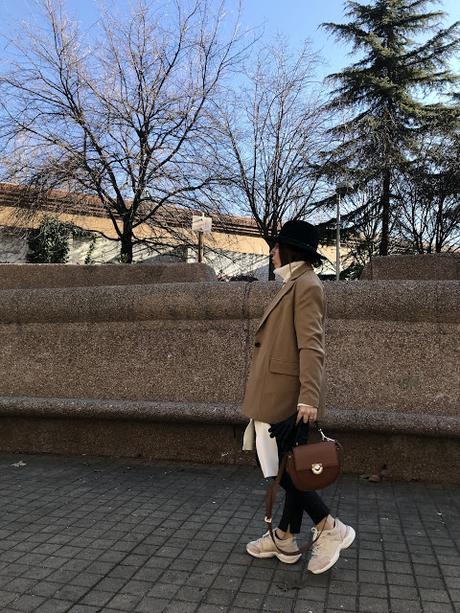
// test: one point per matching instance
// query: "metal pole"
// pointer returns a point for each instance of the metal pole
(337, 242)
(200, 246)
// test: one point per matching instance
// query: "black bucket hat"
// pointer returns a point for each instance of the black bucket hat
(302, 235)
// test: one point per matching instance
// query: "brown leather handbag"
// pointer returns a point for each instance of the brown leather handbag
(314, 466)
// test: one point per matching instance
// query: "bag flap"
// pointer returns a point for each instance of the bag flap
(325, 453)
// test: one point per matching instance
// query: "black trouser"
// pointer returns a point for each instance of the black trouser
(296, 501)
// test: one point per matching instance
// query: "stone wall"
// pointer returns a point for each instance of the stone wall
(159, 370)
(437, 266)
(15, 276)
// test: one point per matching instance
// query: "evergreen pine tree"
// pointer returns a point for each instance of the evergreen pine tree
(382, 93)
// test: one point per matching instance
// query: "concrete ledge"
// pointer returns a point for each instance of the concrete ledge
(221, 413)
(392, 423)
(407, 456)
(169, 301)
(427, 301)
(440, 266)
(22, 276)
(179, 412)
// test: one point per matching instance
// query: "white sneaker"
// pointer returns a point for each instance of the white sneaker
(264, 547)
(326, 551)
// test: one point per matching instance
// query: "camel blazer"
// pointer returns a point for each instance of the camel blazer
(287, 365)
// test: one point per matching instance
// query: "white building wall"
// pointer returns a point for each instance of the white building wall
(226, 264)
(13, 249)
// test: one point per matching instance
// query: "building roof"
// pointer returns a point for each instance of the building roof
(59, 201)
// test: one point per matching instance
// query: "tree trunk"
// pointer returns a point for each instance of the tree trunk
(439, 227)
(126, 251)
(271, 275)
(385, 204)
(271, 268)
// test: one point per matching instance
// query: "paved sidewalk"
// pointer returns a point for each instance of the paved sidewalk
(91, 534)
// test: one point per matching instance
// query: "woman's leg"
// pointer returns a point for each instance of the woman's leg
(296, 502)
(291, 519)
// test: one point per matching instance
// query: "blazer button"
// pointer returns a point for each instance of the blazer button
(257, 344)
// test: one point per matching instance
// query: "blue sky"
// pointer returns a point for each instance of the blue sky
(295, 19)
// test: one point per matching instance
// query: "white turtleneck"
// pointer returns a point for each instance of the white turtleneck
(285, 272)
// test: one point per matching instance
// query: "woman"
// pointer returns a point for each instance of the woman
(285, 388)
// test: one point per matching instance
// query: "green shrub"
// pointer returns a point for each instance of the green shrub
(49, 243)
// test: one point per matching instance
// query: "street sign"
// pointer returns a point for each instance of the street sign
(200, 223)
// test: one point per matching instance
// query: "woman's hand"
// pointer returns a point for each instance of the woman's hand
(306, 413)
(283, 432)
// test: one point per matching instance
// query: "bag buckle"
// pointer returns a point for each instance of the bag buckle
(267, 520)
(317, 469)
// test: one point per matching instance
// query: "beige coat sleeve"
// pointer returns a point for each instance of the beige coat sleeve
(308, 321)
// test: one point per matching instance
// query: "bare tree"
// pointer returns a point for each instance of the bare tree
(272, 131)
(125, 119)
(429, 190)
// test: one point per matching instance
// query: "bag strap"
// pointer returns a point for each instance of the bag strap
(327, 439)
(272, 493)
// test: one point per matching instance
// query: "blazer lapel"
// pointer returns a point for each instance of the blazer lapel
(282, 292)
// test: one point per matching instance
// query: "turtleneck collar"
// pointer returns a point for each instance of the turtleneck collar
(285, 272)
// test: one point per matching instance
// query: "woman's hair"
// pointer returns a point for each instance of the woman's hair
(289, 254)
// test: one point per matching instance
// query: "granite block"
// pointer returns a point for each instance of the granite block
(14, 276)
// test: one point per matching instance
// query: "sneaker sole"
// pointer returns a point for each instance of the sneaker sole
(274, 554)
(347, 541)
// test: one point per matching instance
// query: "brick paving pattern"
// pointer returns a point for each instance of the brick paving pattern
(90, 534)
